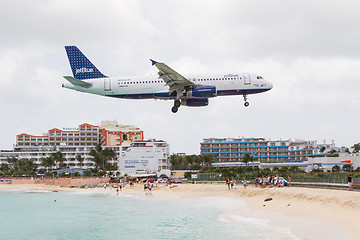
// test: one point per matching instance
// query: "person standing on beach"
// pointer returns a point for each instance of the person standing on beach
(244, 182)
(228, 183)
(289, 178)
(117, 191)
(350, 182)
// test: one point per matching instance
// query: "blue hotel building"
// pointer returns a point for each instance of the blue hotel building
(234, 149)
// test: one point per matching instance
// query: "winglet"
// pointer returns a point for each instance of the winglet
(153, 62)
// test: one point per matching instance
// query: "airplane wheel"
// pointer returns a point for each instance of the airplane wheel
(177, 103)
(246, 104)
(174, 109)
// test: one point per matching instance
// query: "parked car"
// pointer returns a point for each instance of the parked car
(282, 180)
(163, 180)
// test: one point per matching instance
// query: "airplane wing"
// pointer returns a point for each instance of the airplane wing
(174, 80)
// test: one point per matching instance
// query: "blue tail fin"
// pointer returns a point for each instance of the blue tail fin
(81, 67)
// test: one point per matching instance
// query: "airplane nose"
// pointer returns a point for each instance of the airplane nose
(270, 85)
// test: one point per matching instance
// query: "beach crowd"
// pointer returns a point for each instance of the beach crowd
(270, 181)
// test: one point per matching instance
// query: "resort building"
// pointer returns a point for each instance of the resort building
(146, 157)
(306, 155)
(72, 142)
(134, 155)
(109, 133)
(234, 149)
(36, 153)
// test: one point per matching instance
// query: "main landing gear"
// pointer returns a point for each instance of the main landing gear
(176, 106)
(246, 104)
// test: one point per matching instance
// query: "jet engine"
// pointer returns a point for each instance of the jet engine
(202, 92)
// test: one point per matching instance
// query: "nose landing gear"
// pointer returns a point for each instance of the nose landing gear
(246, 104)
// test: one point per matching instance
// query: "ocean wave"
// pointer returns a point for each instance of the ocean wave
(260, 226)
(38, 191)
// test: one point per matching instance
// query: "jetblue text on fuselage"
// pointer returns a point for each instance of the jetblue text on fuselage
(231, 75)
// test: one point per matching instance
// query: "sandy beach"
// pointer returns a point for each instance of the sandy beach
(308, 213)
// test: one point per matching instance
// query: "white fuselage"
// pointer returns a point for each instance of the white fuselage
(153, 87)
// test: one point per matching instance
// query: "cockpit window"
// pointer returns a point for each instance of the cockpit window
(259, 77)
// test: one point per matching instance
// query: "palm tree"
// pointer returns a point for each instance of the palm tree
(4, 167)
(47, 163)
(294, 169)
(356, 147)
(11, 161)
(58, 159)
(284, 169)
(335, 168)
(190, 161)
(96, 154)
(208, 160)
(275, 169)
(80, 159)
(108, 154)
(102, 156)
(347, 168)
(247, 158)
(175, 162)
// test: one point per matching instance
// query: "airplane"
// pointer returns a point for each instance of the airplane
(186, 90)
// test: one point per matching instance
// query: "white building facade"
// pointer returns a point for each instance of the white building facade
(37, 153)
(145, 157)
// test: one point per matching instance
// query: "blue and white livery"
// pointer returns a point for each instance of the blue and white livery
(189, 90)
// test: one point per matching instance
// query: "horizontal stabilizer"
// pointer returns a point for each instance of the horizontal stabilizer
(77, 82)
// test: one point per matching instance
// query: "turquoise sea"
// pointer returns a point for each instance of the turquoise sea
(79, 215)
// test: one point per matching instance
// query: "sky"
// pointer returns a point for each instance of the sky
(309, 50)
